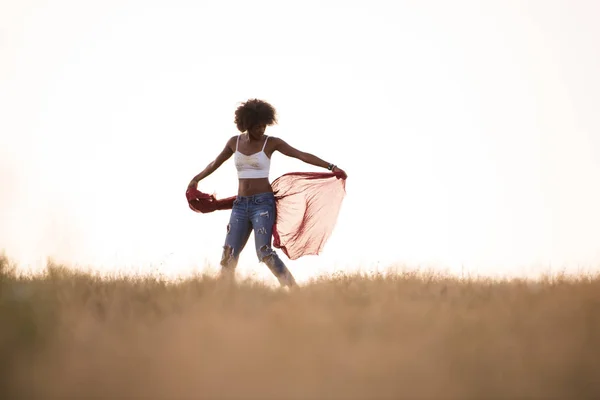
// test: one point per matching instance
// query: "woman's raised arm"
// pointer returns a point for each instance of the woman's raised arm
(286, 149)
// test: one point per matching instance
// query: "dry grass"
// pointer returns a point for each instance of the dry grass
(68, 335)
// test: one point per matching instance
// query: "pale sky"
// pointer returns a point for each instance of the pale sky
(469, 130)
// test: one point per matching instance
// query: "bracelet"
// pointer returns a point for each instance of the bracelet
(331, 167)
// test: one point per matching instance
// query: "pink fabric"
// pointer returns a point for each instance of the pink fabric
(307, 206)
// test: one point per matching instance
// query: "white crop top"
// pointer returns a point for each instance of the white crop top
(255, 165)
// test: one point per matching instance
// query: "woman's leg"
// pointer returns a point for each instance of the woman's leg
(238, 232)
(263, 218)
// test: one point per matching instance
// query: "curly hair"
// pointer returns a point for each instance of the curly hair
(253, 112)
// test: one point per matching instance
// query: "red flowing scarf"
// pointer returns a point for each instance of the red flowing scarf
(307, 207)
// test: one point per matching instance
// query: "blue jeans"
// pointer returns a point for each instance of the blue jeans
(254, 213)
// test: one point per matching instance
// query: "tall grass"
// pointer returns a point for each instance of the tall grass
(72, 335)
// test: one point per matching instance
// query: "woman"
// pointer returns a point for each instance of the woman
(254, 205)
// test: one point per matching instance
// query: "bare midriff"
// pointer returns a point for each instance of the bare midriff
(249, 187)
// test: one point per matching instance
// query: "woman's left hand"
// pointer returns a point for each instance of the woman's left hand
(340, 172)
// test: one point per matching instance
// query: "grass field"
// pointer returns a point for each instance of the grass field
(70, 335)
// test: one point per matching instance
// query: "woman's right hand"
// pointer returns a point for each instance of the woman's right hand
(193, 184)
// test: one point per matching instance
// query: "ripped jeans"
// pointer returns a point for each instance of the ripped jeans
(254, 213)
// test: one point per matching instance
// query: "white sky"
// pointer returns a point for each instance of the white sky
(470, 131)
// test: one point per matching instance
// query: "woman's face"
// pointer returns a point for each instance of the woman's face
(257, 131)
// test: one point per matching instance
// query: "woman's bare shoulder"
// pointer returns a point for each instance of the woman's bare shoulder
(231, 142)
(275, 140)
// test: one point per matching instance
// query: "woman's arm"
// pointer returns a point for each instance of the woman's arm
(286, 149)
(213, 165)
